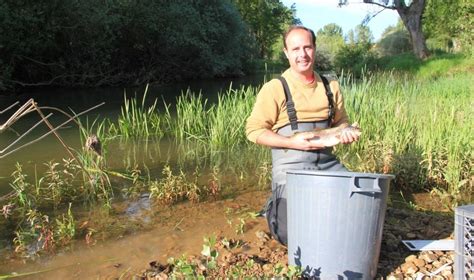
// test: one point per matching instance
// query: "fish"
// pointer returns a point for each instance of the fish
(330, 137)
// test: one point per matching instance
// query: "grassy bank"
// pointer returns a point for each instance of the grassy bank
(416, 126)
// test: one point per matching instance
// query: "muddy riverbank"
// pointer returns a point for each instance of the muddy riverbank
(243, 245)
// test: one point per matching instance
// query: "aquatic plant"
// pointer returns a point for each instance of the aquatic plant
(136, 120)
(174, 188)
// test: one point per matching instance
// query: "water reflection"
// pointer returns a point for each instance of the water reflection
(148, 152)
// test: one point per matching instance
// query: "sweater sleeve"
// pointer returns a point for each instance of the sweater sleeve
(265, 111)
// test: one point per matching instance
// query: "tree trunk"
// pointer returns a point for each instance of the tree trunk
(411, 17)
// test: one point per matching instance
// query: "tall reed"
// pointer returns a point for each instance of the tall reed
(219, 126)
(138, 121)
(419, 130)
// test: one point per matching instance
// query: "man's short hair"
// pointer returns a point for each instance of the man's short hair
(295, 27)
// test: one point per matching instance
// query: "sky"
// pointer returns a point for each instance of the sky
(315, 14)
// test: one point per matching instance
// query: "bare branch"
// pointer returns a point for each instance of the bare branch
(369, 17)
(385, 6)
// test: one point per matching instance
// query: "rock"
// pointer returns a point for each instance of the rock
(437, 264)
(411, 258)
(447, 272)
(262, 236)
(395, 277)
(419, 262)
(409, 268)
(267, 267)
(429, 257)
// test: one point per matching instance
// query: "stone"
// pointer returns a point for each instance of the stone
(447, 271)
(409, 268)
(410, 258)
(437, 264)
(419, 262)
(395, 277)
(429, 257)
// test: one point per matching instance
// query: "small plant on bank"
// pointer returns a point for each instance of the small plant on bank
(209, 251)
(38, 233)
(240, 227)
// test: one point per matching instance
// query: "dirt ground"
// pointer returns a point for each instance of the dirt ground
(253, 253)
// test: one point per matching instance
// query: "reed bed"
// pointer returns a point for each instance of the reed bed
(219, 126)
(138, 121)
(419, 130)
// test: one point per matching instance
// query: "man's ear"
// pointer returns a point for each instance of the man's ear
(286, 53)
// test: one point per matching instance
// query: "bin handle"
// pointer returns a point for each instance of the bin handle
(356, 189)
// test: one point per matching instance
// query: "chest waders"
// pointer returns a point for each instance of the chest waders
(288, 159)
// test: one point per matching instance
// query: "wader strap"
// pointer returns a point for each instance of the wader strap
(332, 110)
(290, 105)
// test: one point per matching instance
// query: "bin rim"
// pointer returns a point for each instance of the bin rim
(465, 208)
(347, 174)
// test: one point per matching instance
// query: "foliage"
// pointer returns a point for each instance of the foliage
(356, 55)
(329, 40)
(416, 128)
(355, 59)
(395, 40)
(218, 125)
(173, 188)
(361, 34)
(436, 66)
(136, 120)
(410, 12)
(266, 20)
(455, 32)
(38, 233)
(90, 43)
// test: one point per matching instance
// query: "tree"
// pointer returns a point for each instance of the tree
(98, 43)
(457, 23)
(329, 39)
(266, 20)
(331, 29)
(356, 55)
(395, 40)
(360, 35)
(410, 12)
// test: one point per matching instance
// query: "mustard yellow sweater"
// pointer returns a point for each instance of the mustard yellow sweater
(311, 104)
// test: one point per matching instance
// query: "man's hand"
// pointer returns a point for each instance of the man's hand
(299, 141)
(304, 141)
(348, 136)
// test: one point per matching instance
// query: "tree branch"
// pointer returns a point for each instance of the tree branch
(369, 17)
(391, 7)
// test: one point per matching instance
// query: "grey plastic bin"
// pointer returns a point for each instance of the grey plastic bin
(464, 242)
(335, 222)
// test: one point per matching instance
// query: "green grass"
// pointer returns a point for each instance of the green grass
(138, 121)
(433, 67)
(418, 129)
(416, 124)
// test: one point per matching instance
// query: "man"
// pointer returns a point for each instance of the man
(272, 123)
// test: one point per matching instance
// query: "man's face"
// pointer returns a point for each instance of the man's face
(300, 51)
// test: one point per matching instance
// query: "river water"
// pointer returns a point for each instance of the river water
(78, 100)
(158, 230)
